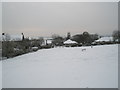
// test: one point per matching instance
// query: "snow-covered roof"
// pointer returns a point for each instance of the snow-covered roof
(70, 42)
(105, 39)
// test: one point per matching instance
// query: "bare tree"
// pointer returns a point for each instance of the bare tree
(41, 40)
(116, 35)
(55, 36)
(6, 37)
(57, 40)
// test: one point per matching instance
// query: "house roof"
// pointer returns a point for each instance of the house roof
(70, 42)
(105, 39)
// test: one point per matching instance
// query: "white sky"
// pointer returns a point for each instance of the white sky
(45, 19)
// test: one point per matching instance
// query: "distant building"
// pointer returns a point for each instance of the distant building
(103, 40)
(70, 43)
(7, 37)
(47, 41)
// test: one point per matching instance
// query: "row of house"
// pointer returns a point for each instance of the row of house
(102, 40)
(69, 42)
(18, 46)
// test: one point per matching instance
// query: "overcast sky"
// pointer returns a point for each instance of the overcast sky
(45, 19)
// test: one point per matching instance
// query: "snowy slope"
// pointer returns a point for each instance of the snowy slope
(95, 67)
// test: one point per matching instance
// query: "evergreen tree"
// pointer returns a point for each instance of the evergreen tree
(68, 35)
(23, 38)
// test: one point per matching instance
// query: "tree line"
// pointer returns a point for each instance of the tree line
(15, 48)
(85, 38)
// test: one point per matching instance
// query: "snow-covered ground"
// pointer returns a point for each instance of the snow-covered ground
(95, 67)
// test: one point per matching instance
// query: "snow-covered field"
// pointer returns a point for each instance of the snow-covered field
(95, 67)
